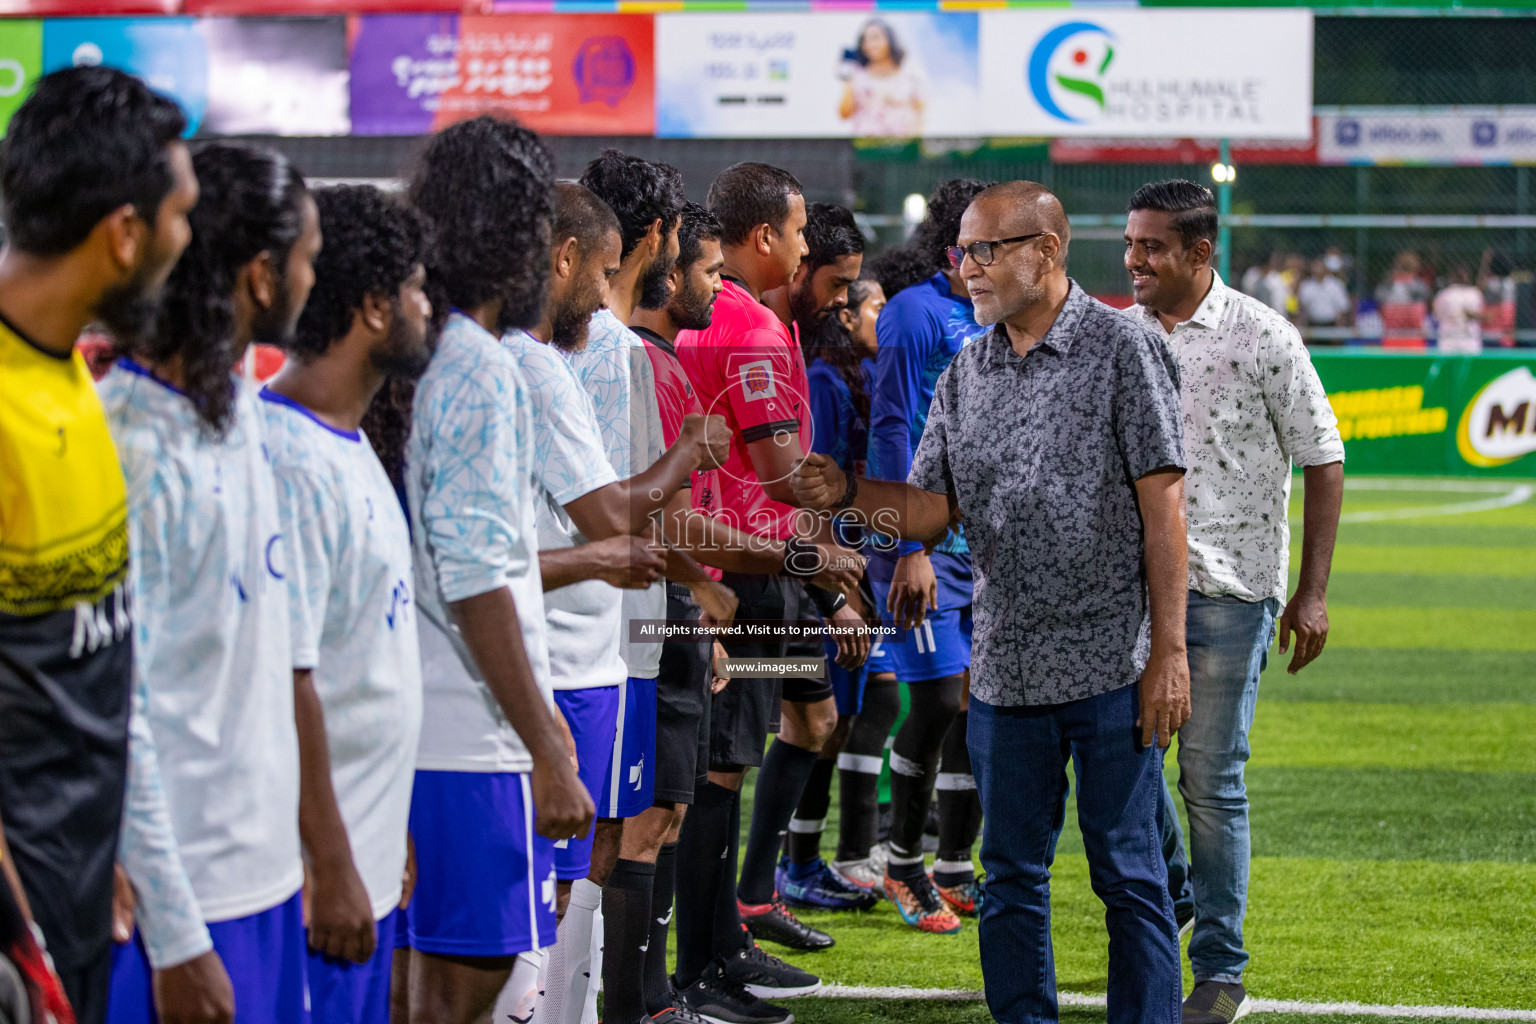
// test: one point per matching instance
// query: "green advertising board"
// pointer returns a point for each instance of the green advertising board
(1433, 414)
(21, 61)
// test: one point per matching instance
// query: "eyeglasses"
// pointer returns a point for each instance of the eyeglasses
(982, 252)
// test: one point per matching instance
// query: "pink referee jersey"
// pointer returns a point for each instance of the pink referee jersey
(747, 368)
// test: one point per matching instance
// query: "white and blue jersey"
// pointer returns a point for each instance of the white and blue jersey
(469, 480)
(353, 619)
(211, 831)
(568, 461)
(919, 331)
(487, 890)
(616, 371)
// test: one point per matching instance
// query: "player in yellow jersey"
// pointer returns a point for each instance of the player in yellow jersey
(97, 185)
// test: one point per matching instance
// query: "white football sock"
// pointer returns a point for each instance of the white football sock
(570, 962)
(595, 983)
(519, 999)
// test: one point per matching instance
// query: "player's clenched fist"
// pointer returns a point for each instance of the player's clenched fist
(562, 808)
(818, 482)
(712, 436)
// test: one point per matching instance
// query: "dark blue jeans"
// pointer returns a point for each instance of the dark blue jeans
(1019, 756)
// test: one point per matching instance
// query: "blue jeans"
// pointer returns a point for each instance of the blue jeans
(1019, 756)
(1228, 648)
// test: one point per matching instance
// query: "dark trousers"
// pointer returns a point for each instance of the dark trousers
(1019, 756)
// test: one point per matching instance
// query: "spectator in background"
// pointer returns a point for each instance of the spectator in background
(1266, 282)
(1322, 298)
(1292, 275)
(1494, 275)
(1339, 263)
(1404, 284)
(1458, 310)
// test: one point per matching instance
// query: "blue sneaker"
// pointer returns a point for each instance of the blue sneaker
(816, 885)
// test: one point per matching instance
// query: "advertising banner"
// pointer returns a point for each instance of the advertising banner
(278, 76)
(1432, 414)
(828, 75)
(1180, 151)
(169, 54)
(1447, 135)
(564, 74)
(1133, 73)
(21, 61)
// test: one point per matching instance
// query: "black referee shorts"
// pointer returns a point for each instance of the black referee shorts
(682, 707)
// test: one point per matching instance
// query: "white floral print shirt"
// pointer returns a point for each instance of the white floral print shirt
(1253, 407)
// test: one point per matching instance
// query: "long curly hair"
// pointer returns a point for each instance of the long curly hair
(487, 187)
(921, 256)
(387, 424)
(833, 342)
(251, 202)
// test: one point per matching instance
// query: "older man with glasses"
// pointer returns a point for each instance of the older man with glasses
(1056, 439)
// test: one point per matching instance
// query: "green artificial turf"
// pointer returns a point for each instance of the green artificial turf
(1393, 785)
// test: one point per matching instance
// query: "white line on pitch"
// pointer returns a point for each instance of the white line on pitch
(1514, 496)
(1259, 1005)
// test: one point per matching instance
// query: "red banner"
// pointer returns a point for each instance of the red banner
(1182, 151)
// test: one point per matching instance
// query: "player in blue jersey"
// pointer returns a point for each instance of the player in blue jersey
(351, 585)
(211, 838)
(841, 372)
(840, 349)
(927, 596)
(494, 787)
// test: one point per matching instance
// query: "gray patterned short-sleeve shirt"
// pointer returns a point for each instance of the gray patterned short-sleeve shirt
(1042, 453)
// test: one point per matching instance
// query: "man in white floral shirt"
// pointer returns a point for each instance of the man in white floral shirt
(1253, 407)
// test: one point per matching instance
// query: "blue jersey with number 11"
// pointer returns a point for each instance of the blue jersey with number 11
(919, 330)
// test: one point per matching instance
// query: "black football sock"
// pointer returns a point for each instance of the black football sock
(729, 934)
(858, 769)
(804, 840)
(959, 810)
(658, 996)
(626, 935)
(780, 782)
(915, 760)
(701, 861)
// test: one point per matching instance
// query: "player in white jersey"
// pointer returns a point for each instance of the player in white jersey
(495, 788)
(614, 367)
(351, 586)
(211, 838)
(584, 499)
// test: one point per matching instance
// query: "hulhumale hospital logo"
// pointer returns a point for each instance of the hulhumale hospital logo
(1066, 70)
(604, 69)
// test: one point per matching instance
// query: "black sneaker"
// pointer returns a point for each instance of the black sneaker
(772, 922)
(1215, 1002)
(769, 977)
(1184, 917)
(721, 1000)
(674, 1015)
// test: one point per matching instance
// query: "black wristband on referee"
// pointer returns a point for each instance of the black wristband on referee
(826, 602)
